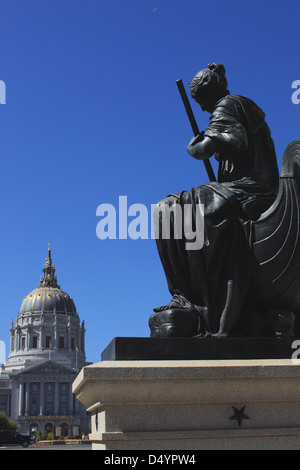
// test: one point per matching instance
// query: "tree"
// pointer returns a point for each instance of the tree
(6, 423)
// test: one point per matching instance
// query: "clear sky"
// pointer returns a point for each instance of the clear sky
(93, 113)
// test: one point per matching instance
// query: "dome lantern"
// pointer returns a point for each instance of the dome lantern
(48, 277)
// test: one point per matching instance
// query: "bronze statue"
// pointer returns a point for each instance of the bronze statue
(244, 280)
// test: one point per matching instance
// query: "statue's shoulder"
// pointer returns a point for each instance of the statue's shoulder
(243, 109)
(234, 102)
(229, 105)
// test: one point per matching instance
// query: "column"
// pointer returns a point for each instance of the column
(28, 338)
(41, 398)
(26, 385)
(71, 401)
(56, 398)
(21, 392)
(18, 339)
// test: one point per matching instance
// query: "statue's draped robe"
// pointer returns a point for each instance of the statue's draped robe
(216, 277)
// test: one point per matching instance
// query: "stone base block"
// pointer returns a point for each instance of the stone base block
(192, 405)
(153, 349)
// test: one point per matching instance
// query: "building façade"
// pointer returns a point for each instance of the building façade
(47, 350)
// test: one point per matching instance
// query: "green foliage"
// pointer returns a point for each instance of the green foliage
(6, 423)
(43, 436)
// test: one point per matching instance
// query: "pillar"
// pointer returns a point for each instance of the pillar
(56, 398)
(41, 398)
(21, 395)
(26, 385)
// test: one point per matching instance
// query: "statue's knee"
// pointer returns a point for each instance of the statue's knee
(168, 201)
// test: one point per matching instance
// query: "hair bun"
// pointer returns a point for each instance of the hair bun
(217, 68)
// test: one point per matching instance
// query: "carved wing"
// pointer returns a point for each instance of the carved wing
(276, 239)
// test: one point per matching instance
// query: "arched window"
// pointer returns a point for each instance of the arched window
(64, 429)
(33, 428)
(49, 427)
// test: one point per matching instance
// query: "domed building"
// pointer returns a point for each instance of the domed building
(47, 350)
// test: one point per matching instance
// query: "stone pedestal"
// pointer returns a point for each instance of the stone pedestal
(192, 404)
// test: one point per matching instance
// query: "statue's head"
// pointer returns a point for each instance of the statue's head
(209, 85)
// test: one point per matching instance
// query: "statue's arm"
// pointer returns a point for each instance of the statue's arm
(202, 148)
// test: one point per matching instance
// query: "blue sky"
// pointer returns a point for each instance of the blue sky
(93, 113)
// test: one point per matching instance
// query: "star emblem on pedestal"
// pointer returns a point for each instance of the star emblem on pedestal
(239, 415)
